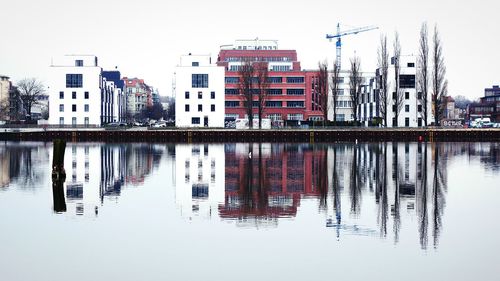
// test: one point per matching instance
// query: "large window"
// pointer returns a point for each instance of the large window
(295, 92)
(407, 81)
(74, 80)
(232, 92)
(232, 80)
(78, 62)
(274, 103)
(199, 80)
(295, 80)
(195, 120)
(232, 103)
(295, 104)
(274, 92)
(275, 80)
(295, 116)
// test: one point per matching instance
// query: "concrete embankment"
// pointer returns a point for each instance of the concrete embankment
(228, 135)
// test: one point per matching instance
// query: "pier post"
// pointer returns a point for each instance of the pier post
(58, 176)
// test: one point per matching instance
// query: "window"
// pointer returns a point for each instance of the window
(340, 92)
(86, 108)
(274, 92)
(295, 92)
(61, 108)
(394, 95)
(61, 95)
(274, 80)
(420, 122)
(86, 122)
(411, 64)
(186, 95)
(281, 68)
(86, 95)
(419, 95)
(186, 107)
(295, 116)
(73, 121)
(212, 107)
(274, 116)
(407, 81)
(232, 103)
(61, 120)
(74, 80)
(294, 104)
(212, 95)
(407, 95)
(78, 62)
(200, 95)
(200, 107)
(394, 108)
(199, 80)
(73, 108)
(295, 80)
(232, 80)
(274, 103)
(419, 108)
(195, 63)
(232, 92)
(407, 108)
(407, 122)
(195, 120)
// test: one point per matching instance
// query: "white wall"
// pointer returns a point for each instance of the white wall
(184, 84)
(91, 83)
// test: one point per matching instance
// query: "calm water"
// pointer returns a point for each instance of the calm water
(388, 211)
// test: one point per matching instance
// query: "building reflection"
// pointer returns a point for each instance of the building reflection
(374, 189)
(22, 164)
(119, 165)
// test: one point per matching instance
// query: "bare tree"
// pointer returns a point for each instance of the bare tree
(383, 70)
(334, 86)
(31, 90)
(322, 88)
(246, 73)
(261, 73)
(398, 94)
(423, 72)
(355, 86)
(439, 83)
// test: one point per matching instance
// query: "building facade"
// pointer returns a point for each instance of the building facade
(5, 87)
(199, 100)
(488, 106)
(290, 95)
(138, 95)
(78, 93)
(411, 109)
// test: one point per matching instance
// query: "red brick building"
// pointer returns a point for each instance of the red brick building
(290, 97)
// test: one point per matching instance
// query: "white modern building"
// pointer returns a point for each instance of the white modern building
(78, 93)
(411, 111)
(199, 100)
(344, 104)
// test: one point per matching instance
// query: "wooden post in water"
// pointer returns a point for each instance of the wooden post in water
(58, 176)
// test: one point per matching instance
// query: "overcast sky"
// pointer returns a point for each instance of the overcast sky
(145, 38)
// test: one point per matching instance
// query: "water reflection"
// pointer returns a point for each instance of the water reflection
(373, 189)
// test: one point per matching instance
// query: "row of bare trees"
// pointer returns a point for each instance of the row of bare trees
(431, 83)
(254, 80)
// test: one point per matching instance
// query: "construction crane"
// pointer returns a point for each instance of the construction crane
(340, 34)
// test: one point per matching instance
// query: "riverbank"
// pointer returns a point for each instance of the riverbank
(231, 135)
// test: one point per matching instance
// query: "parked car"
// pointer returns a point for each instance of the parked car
(161, 124)
(116, 124)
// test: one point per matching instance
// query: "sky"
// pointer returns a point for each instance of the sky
(146, 38)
